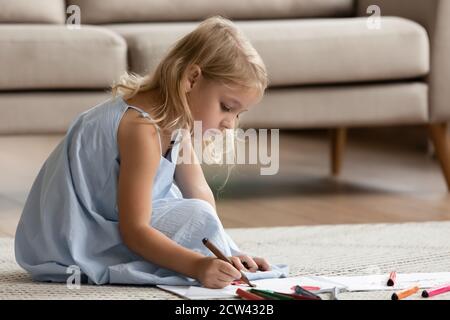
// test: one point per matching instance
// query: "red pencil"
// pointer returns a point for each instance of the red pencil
(248, 295)
(299, 296)
(309, 288)
(391, 280)
(435, 292)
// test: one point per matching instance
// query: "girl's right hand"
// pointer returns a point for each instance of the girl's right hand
(216, 274)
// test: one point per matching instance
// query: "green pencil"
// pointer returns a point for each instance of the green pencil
(270, 294)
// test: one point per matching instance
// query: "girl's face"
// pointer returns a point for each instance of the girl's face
(217, 106)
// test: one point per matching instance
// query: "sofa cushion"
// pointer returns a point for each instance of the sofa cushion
(45, 111)
(112, 11)
(53, 57)
(310, 51)
(26, 11)
(325, 106)
(340, 105)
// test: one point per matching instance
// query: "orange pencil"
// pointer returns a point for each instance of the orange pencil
(391, 280)
(405, 293)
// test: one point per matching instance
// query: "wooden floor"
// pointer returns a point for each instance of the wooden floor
(385, 178)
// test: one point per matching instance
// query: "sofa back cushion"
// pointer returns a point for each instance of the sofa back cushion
(112, 11)
(32, 11)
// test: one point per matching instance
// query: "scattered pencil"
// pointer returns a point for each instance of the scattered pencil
(309, 288)
(271, 295)
(435, 292)
(404, 293)
(248, 295)
(303, 292)
(391, 280)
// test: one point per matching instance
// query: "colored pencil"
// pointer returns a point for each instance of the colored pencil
(221, 256)
(391, 280)
(303, 292)
(435, 292)
(248, 295)
(404, 293)
(271, 294)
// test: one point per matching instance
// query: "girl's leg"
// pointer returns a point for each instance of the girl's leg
(188, 221)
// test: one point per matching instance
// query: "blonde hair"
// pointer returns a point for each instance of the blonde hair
(223, 54)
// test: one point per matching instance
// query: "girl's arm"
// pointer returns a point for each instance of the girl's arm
(190, 178)
(139, 160)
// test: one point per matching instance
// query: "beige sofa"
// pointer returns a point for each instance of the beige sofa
(328, 67)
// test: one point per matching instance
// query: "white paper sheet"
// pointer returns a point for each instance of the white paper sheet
(345, 283)
(379, 282)
(278, 284)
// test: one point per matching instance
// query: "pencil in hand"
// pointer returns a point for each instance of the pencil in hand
(221, 256)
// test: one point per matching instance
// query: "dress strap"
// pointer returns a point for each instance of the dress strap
(146, 115)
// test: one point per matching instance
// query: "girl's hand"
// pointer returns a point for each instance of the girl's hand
(248, 264)
(216, 274)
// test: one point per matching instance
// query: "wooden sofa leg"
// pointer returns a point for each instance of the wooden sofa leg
(438, 135)
(338, 139)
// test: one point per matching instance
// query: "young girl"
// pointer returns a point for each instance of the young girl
(111, 199)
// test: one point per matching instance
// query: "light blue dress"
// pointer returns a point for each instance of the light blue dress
(70, 216)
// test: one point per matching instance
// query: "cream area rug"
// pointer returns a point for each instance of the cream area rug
(311, 250)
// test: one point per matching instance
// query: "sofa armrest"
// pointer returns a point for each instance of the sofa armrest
(434, 16)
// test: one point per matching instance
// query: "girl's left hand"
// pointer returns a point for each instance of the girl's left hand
(248, 264)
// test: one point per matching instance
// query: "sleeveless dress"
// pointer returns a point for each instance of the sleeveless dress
(70, 218)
